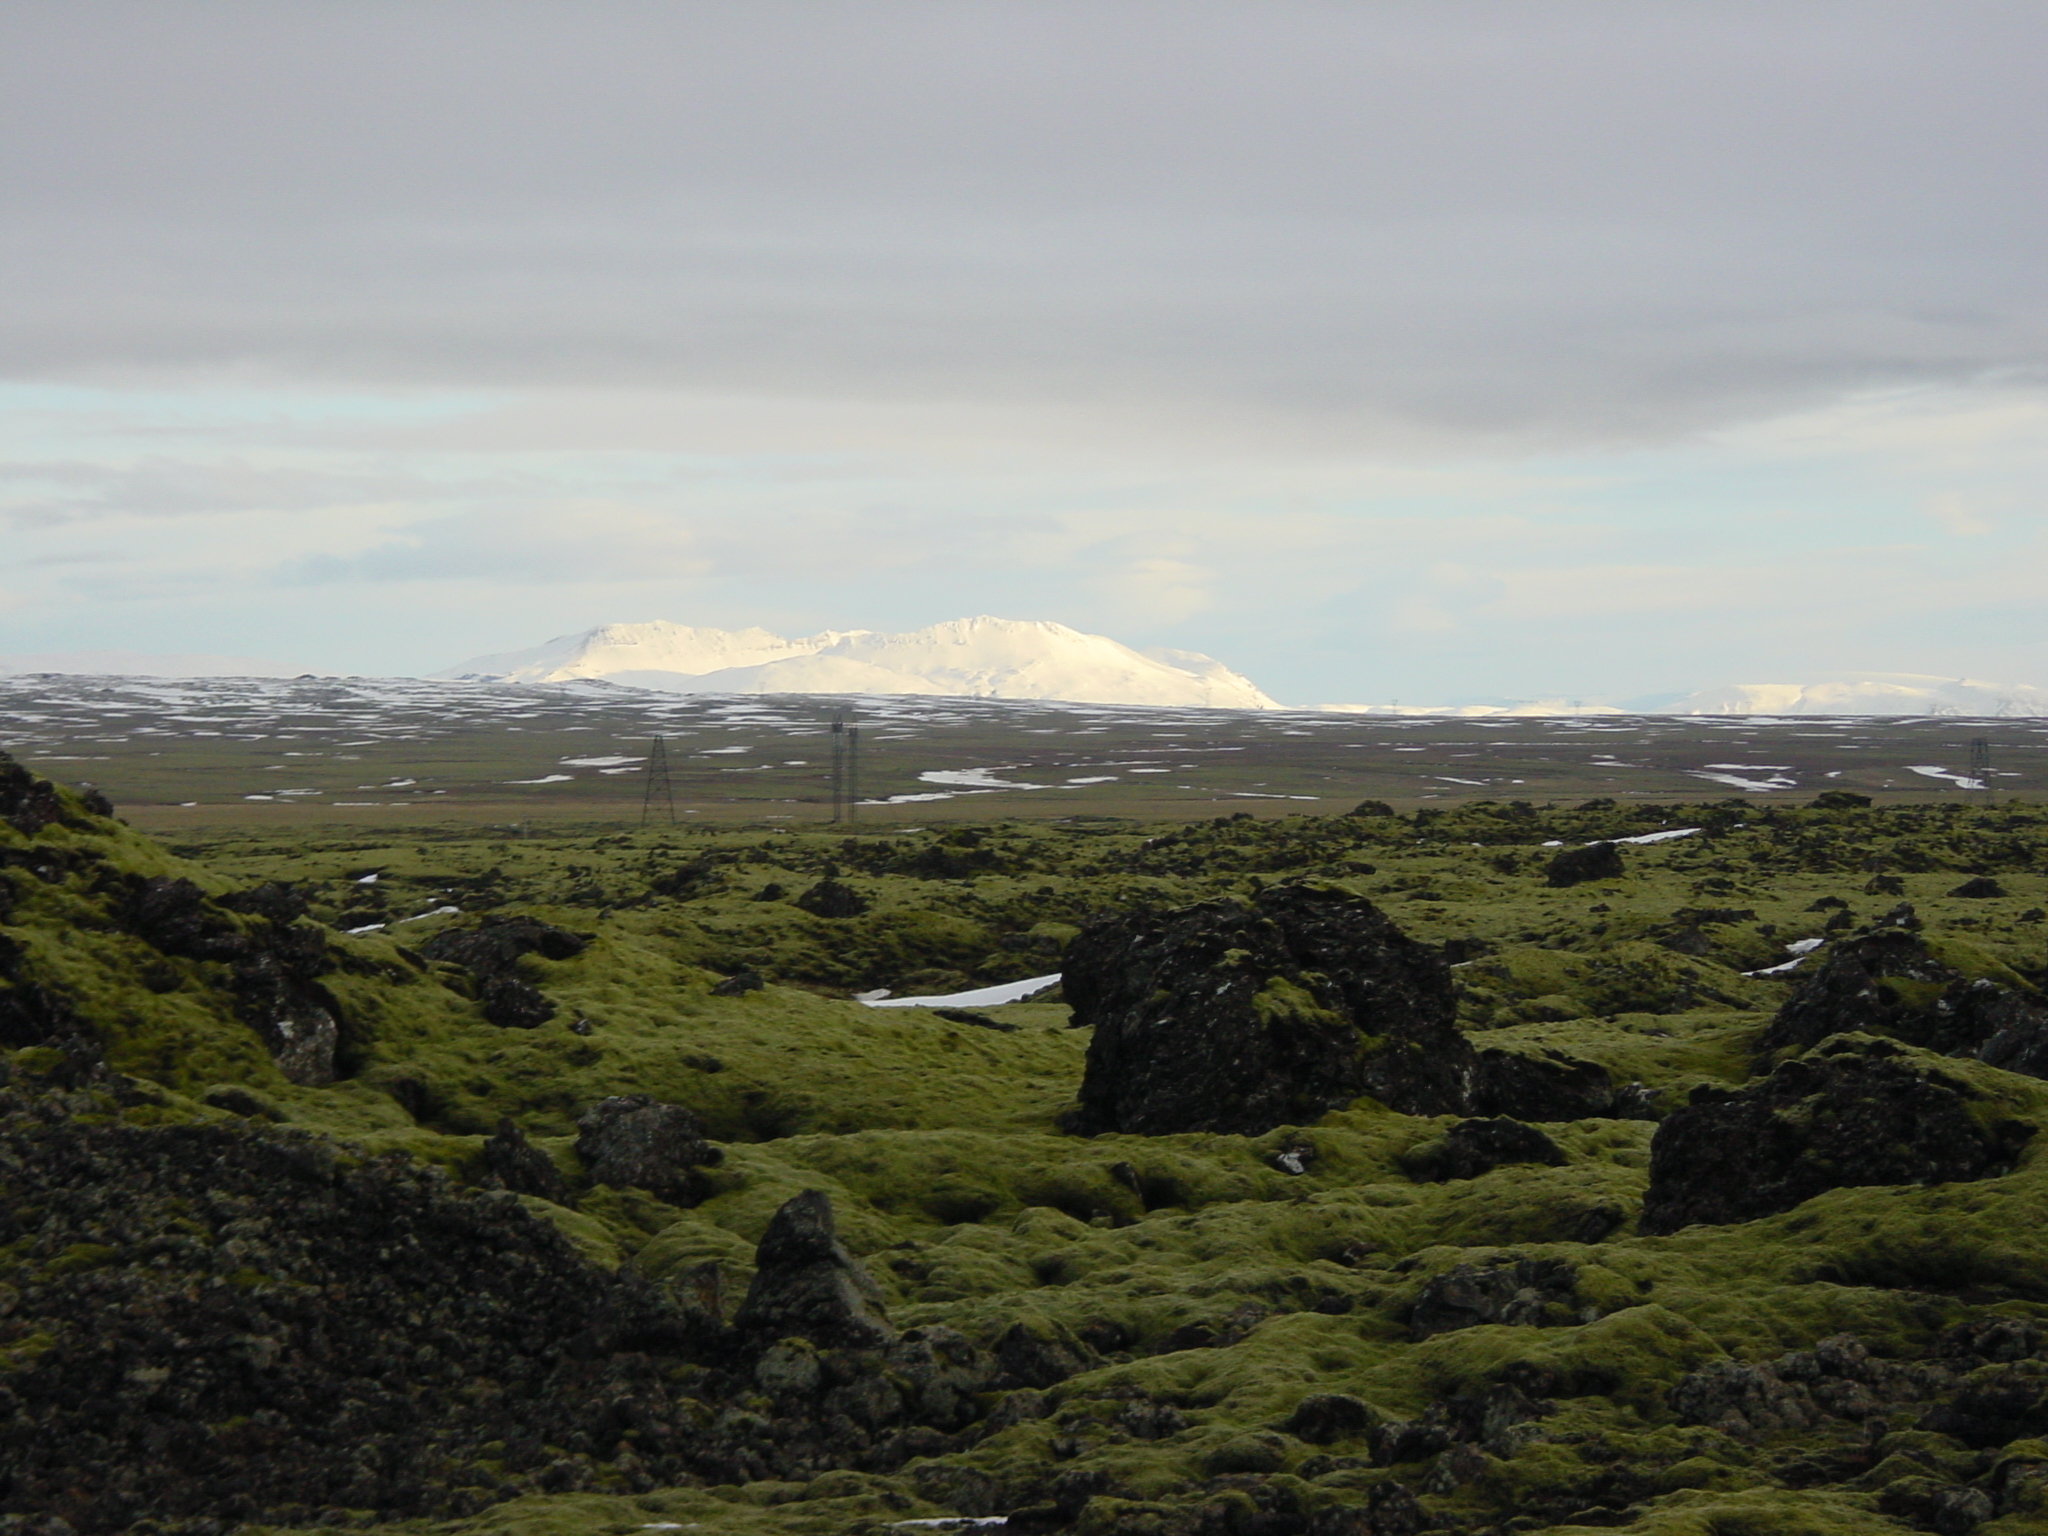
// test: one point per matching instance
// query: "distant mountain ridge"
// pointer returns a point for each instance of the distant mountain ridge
(982, 657)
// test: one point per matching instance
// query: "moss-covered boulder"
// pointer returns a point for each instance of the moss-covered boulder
(1858, 1112)
(1242, 1016)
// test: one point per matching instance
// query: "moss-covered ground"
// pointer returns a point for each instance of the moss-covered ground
(1192, 1271)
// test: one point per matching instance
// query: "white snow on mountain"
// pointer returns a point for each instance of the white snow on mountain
(982, 657)
(1866, 693)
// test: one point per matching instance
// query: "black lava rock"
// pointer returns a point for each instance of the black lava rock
(1473, 1147)
(1242, 1016)
(1529, 1292)
(1858, 1112)
(1885, 981)
(832, 898)
(274, 963)
(635, 1141)
(1575, 866)
(492, 952)
(806, 1285)
(512, 1162)
(1552, 1086)
(1981, 887)
(1325, 1417)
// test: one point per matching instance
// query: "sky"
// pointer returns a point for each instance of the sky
(1434, 351)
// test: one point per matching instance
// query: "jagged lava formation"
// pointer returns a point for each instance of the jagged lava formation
(1377, 1174)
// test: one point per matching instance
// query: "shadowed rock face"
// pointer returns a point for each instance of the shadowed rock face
(1473, 1147)
(1885, 981)
(632, 1140)
(512, 1162)
(806, 1285)
(274, 964)
(492, 953)
(1238, 1017)
(1575, 866)
(1858, 1113)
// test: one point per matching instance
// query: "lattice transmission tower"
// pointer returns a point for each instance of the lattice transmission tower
(845, 770)
(659, 792)
(1980, 763)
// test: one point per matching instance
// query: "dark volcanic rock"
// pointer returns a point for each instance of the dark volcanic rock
(274, 963)
(1323, 1418)
(632, 1140)
(1552, 1086)
(512, 1162)
(832, 898)
(1241, 1016)
(807, 1286)
(1575, 866)
(492, 952)
(1858, 1112)
(1473, 1147)
(494, 948)
(1531, 1292)
(1885, 981)
(209, 1325)
(1981, 887)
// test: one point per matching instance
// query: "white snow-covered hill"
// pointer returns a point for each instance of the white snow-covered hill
(1866, 693)
(981, 658)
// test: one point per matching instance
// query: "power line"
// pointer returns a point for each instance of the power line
(659, 792)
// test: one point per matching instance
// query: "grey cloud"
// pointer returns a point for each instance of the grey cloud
(1525, 222)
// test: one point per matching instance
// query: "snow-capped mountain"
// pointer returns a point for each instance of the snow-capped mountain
(1865, 693)
(977, 658)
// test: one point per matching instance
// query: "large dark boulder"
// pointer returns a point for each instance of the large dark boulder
(491, 953)
(1534, 1293)
(1857, 1112)
(634, 1141)
(1473, 1147)
(512, 1162)
(1553, 1086)
(806, 1285)
(1239, 1016)
(1575, 866)
(494, 948)
(1886, 981)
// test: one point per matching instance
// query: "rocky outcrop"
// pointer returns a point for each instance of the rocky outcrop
(806, 1285)
(1575, 866)
(1553, 1086)
(491, 954)
(1534, 1293)
(274, 963)
(1859, 1112)
(1886, 981)
(633, 1140)
(832, 897)
(512, 1162)
(1242, 1016)
(1473, 1147)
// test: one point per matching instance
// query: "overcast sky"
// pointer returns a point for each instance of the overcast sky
(1421, 351)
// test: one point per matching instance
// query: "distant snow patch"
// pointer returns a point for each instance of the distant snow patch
(1777, 781)
(1657, 837)
(981, 997)
(552, 778)
(1960, 780)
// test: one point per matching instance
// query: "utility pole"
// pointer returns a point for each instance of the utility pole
(845, 771)
(852, 774)
(1980, 763)
(658, 792)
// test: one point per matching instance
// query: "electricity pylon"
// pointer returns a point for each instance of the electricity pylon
(659, 792)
